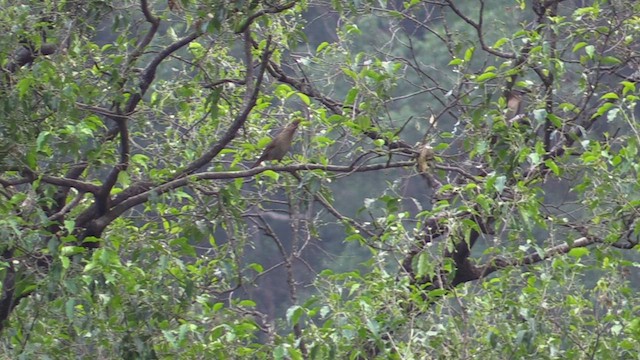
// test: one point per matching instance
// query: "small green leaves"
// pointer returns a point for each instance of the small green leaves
(323, 45)
(271, 174)
(486, 76)
(468, 54)
(294, 314)
(610, 95)
(24, 86)
(305, 99)
(578, 252)
(590, 50)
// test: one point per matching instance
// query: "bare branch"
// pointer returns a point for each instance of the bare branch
(274, 9)
(478, 27)
(149, 73)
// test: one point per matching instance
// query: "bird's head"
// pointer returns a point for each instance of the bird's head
(294, 124)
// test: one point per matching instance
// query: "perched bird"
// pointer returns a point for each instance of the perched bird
(424, 157)
(515, 105)
(280, 144)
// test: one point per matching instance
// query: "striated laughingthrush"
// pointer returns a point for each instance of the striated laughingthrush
(279, 145)
(515, 105)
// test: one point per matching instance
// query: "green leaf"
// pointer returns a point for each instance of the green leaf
(271, 174)
(350, 73)
(69, 308)
(247, 303)
(590, 50)
(283, 91)
(43, 136)
(353, 29)
(31, 158)
(468, 54)
(24, 85)
(65, 262)
(293, 314)
(498, 44)
(351, 96)
(140, 160)
(279, 352)
(486, 76)
(323, 45)
(482, 199)
(500, 183)
(374, 327)
(555, 120)
(553, 166)
(304, 98)
(364, 122)
(628, 86)
(579, 46)
(610, 95)
(424, 268)
(578, 252)
(434, 294)
(124, 179)
(534, 159)
(610, 60)
(602, 109)
(256, 267)
(69, 225)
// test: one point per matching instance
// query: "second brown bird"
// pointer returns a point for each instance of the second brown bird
(279, 145)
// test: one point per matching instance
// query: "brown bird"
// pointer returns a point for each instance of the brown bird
(279, 145)
(515, 105)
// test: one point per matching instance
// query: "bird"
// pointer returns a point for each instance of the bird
(424, 157)
(515, 106)
(279, 145)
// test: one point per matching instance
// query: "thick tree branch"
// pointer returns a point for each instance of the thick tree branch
(71, 183)
(146, 78)
(142, 197)
(149, 73)
(155, 23)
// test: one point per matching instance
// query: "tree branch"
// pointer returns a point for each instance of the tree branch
(71, 183)
(274, 9)
(334, 106)
(144, 192)
(478, 27)
(146, 78)
(155, 23)
(499, 264)
(237, 123)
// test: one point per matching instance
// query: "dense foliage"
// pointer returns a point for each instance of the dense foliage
(463, 182)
